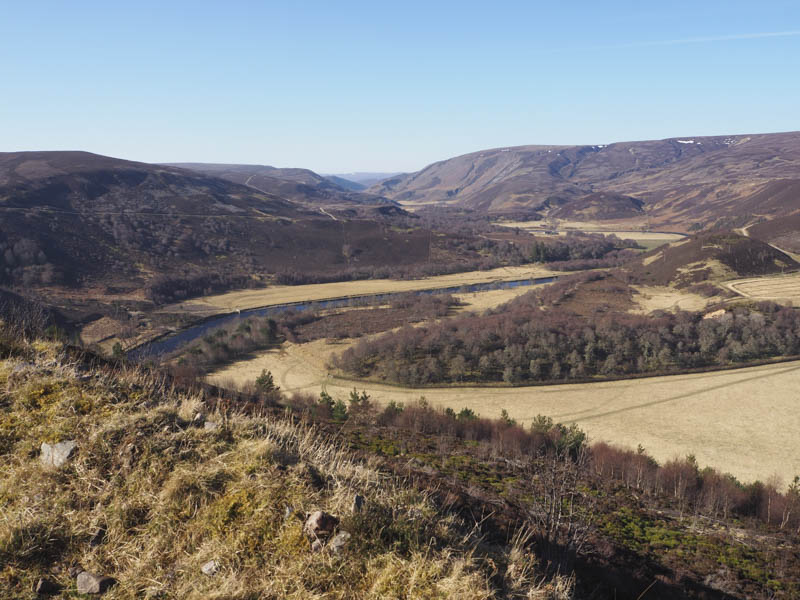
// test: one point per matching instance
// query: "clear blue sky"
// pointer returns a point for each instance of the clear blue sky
(387, 86)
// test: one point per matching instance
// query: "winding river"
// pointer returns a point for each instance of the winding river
(176, 340)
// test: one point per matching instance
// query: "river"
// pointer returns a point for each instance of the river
(176, 340)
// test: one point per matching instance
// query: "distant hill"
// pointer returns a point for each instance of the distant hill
(674, 182)
(365, 178)
(79, 219)
(299, 185)
(346, 183)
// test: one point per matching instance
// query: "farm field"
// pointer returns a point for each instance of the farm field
(779, 288)
(282, 294)
(648, 239)
(714, 416)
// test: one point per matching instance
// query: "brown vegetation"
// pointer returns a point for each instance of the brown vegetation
(677, 183)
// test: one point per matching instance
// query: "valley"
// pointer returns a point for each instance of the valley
(713, 416)
(420, 301)
(285, 294)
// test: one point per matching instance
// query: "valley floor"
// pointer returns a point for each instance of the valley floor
(742, 421)
(284, 294)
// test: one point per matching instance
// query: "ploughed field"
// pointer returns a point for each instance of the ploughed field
(780, 288)
(742, 421)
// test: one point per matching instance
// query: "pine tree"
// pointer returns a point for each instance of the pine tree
(265, 383)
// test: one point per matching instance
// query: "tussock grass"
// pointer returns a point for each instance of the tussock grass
(171, 496)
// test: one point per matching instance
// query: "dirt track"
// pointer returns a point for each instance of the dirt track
(743, 421)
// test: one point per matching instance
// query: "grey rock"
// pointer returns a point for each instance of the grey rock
(46, 587)
(89, 583)
(287, 512)
(358, 503)
(210, 568)
(211, 426)
(320, 525)
(55, 455)
(316, 545)
(339, 541)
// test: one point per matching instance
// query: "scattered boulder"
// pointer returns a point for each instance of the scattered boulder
(89, 583)
(320, 525)
(339, 541)
(316, 545)
(55, 455)
(210, 568)
(211, 426)
(98, 537)
(358, 503)
(45, 587)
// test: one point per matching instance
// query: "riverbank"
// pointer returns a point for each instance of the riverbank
(242, 300)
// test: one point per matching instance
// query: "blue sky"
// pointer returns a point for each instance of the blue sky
(346, 86)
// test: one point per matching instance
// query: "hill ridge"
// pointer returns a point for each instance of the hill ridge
(679, 180)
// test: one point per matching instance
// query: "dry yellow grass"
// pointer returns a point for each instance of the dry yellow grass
(282, 294)
(627, 230)
(652, 298)
(481, 301)
(743, 421)
(171, 497)
(780, 288)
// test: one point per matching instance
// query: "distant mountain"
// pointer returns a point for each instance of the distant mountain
(80, 219)
(674, 182)
(299, 185)
(365, 178)
(346, 183)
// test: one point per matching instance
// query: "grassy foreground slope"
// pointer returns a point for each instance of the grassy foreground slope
(175, 493)
(151, 495)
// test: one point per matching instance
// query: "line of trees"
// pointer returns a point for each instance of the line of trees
(703, 491)
(681, 481)
(524, 343)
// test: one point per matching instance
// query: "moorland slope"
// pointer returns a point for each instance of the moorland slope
(78, 219)
(674, 182)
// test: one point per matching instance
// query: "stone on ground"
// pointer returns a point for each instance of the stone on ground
(89, 583)
(55, 455)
